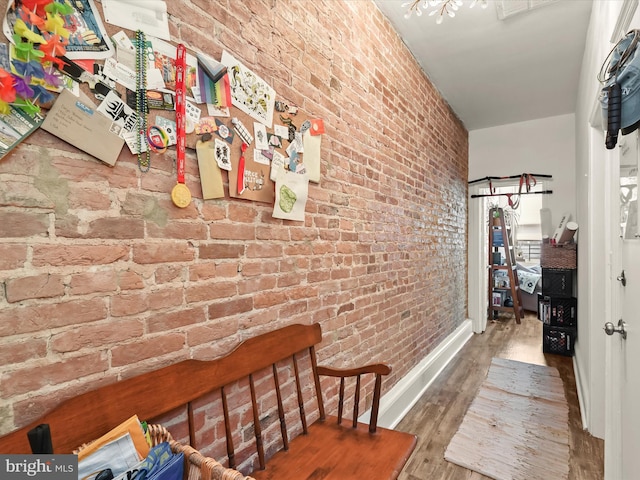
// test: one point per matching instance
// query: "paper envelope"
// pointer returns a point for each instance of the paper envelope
(79, 123)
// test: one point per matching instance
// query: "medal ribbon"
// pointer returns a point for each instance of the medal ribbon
(240, 179)
(181, 68)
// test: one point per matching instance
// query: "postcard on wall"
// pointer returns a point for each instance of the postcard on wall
(312, 155)
(249, 92)
(83, 126)
(292, 190)
(87, 35)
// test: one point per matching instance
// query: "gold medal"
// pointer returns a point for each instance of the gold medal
(181, 195)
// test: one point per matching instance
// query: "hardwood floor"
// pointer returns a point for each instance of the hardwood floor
(437, 415)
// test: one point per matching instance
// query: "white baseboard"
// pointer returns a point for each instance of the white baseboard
(396, 403)
(582, 395)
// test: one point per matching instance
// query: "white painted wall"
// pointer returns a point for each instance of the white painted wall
(544, 146)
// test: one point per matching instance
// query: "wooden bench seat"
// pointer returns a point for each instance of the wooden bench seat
(328, 447)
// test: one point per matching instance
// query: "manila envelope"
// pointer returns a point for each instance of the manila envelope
(79, 123)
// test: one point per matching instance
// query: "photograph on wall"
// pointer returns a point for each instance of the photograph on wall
(164, 62)
(81, 26)
(249, 92)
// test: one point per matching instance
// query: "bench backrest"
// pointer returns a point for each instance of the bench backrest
(150, 395)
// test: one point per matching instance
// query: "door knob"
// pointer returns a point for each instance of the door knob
(610, 328)
(622, 279)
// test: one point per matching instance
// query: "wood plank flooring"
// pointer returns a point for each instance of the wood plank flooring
(437, 415)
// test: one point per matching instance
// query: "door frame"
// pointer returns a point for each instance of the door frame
(478, 276)
(613, 414)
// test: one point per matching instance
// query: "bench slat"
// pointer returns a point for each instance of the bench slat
(303, 415)
(283, 422)
(257, 428)
(231, 454)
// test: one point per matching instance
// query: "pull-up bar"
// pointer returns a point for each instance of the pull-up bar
(488, 179)
(541, 192)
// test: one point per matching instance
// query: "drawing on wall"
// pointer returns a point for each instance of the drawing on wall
(292, 190)
(249, 92)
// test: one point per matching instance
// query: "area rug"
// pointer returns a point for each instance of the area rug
(517, 426)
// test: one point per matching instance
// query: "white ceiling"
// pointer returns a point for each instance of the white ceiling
(495, 72)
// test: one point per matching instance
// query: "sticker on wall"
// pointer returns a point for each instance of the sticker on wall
(317, 127)
(222, 154)
(224, 132)
(260, 134)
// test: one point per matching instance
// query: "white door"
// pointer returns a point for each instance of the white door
(622, 435)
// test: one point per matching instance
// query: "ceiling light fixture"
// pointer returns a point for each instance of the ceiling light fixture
(440, 7)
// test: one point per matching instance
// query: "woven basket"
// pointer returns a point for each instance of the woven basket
(196, 465)
(558, 256)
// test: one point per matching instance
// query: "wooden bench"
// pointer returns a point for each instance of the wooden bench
(326, 448)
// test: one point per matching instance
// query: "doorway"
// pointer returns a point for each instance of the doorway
(527, 231)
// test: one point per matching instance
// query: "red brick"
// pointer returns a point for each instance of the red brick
(33, 318)
(230, 307)
(211, 291)
(178, 230)
(23, 224)
(40, 286)
(133, 303)
(202, 271)
(97, 335)
(148, 347)
(94, 282)
(243, 213)
(59, 255)
(17, 352)
(116, 228)
(263, 250)
(128, 280)
(21, 194)
(34, 376)
(233, 232)
(228, 269)
(170, 321)
(12, 256)
(88, 197)
(169, 273)
(162, 253)
(221, 250)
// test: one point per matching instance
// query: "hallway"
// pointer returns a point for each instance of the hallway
(437, 415)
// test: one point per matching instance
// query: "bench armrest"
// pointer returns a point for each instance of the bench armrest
(378, 369)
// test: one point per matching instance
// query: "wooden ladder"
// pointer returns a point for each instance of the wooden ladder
(498, 292)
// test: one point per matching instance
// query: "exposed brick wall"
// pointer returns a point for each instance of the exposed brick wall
(103, 278)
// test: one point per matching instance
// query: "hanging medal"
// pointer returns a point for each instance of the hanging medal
(180, 195)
